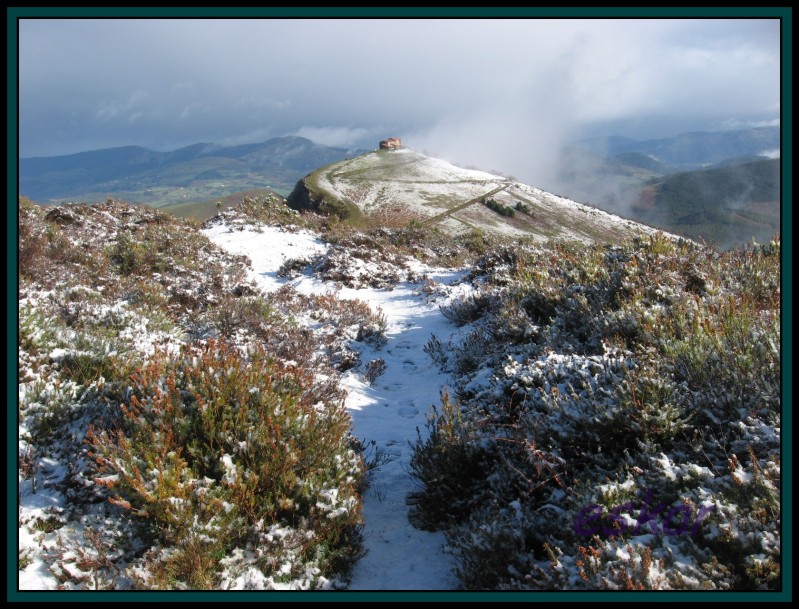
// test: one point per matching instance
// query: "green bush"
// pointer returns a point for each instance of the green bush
(217, 448)
(502, 210)
(84, 368)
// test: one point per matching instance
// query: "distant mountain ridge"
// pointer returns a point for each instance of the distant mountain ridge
(616, 174)
(691, 150)
(142, 175)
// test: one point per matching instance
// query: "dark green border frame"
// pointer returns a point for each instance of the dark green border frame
(785, 14)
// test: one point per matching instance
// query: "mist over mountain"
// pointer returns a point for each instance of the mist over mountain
(631, 178)
(691, 150)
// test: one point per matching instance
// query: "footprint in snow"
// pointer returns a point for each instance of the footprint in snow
(392, 449)
(404, 344)
(409, 366)
(408, 410)
(392, 387)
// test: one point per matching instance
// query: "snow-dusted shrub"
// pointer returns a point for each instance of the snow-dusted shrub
(729, 356)
(218, 451)
(250, 314)
(635, 386)
(512, 325)
(46, 250)
(466, 309)
(374, 370)
(355, 265)
(385, 246)
(131, 256)
(267, 209)
(617, 564)
(474, 241)
(292, 267)
(87, 368)
(497, 262)
(450, 467)
(438, 352)
(344, 317)
(472, 352)
(32, 239)
(426, 243)
(38, 336)
(90, 562)
(110, 283)
(491, 547)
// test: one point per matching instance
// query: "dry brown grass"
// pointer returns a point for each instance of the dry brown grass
(393, 216)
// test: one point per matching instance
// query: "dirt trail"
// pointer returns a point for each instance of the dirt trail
(469, 203)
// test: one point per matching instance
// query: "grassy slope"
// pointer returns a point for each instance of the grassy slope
(440, 193)
(203, 210)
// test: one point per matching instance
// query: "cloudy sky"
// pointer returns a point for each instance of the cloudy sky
(497, 94)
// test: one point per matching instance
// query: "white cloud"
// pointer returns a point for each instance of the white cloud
(735, 123)
(341, 137)
(194, 109)
(249, 137)
(111, 110)
(135, 117)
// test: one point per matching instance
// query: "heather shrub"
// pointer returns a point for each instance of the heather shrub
(32, 239)
(645, 376)
(251, 314)
(449, 466)
(267, 209)
(466, 309)
(226, 467)
(218, 450)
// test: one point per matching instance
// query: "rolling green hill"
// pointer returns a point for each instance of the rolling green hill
(719, 186)
(725, 205)
(194, 173)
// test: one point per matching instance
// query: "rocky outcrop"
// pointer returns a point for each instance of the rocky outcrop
(300, 198)
(304, 198)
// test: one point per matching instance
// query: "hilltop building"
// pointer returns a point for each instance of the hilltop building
(392, 143)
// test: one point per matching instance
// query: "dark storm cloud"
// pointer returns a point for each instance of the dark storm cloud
(501, 94)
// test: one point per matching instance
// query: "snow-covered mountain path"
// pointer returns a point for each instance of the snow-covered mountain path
(387, 412)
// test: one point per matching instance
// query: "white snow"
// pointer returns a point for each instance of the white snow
(268, 248)
(230, 469)
(388, 412)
